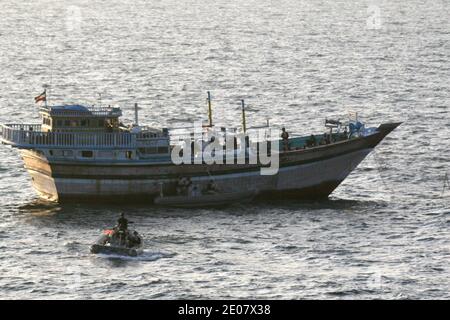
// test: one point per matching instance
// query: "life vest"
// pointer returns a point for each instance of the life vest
(108, 232)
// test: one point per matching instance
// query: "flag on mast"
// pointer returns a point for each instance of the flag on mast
(41, 97)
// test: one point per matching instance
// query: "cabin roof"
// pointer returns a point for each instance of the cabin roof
(78, 110)
(72, 107)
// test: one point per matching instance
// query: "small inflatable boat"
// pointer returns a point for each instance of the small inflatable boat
(119, 242)
(205, 200)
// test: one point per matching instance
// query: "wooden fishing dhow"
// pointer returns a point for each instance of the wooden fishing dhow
(81, 152)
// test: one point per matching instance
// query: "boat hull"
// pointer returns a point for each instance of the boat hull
(304, 174)
(101, 249)
(311, 180)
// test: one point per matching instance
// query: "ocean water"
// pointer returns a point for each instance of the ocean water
(384, 233)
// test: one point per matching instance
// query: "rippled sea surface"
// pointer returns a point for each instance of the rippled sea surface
(384, 233)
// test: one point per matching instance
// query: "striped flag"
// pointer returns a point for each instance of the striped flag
(41, 97)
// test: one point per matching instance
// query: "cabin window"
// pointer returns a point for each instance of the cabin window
(129, 154)
(59, 123)
(74, 123)
(67, 123)
(87, 154)
(50, 152)
(101, 123)
(163, 150)
(83, 123)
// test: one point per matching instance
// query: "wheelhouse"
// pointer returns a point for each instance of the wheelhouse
(69, 118)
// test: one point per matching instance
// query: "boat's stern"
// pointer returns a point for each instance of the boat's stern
(40, 171)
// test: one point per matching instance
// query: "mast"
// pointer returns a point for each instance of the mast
(209, 109)
(244, 125)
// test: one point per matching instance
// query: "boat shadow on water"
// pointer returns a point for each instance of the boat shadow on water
(319, 204)
(99, 211)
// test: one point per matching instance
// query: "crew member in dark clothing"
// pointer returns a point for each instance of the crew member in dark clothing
(345, 134)
(137, 239)
(121, 230)
(211, 187)
(122, 222)
(285, 137)
(311, 142)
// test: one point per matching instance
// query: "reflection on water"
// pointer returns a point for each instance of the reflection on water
(39, 208)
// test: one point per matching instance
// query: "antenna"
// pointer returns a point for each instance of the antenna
(52, 37)
(136, 122)
(46, 86)
(244, 125)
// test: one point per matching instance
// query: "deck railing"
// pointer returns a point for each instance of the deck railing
(31, 136)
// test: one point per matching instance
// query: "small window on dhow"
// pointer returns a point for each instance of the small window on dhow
(87, 154)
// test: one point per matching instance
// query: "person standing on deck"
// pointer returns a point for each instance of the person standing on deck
(285, 138)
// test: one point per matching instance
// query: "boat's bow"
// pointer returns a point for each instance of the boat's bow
(381, 132)
(386, 128)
